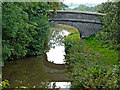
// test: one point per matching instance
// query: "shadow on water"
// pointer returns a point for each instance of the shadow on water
(26, 72)
(40, 71)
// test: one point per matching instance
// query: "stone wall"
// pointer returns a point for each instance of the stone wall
(86, 22)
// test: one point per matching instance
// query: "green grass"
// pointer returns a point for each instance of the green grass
(111, 55)
(91, 63)
(99, 46)
(73, 36)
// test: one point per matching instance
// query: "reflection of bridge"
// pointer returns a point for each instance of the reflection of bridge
(56, 72)
(86, 22)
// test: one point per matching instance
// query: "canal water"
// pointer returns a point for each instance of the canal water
(45, 71)
(56, 53)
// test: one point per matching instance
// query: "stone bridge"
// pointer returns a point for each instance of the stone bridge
(86, 22)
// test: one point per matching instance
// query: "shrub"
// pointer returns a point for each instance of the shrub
(88, 68)
(71, 40)
(3, 84)
(110, 31)
(24, 28)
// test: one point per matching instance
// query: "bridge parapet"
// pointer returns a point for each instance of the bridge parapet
(76, 15)
(86, 22)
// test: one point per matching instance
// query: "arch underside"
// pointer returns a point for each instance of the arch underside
(85, 29)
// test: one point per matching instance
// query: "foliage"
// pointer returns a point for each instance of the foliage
(70, 41)
(83, 7)
(25, 27)
(3, 84)
(111, 29)
(88, 67)
(103, 49)
(57, 6)
(93, 62)
(94, 75)
(64, 6)
(38, 16)
(20, 87)
(54, 6)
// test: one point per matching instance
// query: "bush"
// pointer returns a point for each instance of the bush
(110, 31)
(71, 40)
(92, 62)
(24, 28)
(3, 84)
(88, 68)
(103, 48)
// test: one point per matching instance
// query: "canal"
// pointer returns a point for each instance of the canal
(44, 71)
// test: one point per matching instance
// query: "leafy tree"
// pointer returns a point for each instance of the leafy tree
(15, 36)
(63, 6)
(83, 7)
(25, 27)
(111, 29)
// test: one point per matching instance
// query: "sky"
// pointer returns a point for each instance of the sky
(84, 1)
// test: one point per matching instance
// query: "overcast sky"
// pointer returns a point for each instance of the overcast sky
(84, 1)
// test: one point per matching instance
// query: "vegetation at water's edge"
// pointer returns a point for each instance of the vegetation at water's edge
(89, 68)
(25, 27)
(3, 84)
(93, 62)
(111, 29)
(25, 31)
(103, 49)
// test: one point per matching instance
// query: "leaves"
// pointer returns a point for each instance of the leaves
(87, 67)
(112, 20)
(4, 84)
(24, 28)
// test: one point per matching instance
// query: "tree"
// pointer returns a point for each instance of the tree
(110, 33)
(25, 26)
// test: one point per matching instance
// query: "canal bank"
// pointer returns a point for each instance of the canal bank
(40, 71)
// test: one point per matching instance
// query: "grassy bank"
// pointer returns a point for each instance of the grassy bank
(111, 55)
(91, 63)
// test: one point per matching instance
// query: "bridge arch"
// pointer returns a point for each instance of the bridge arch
(67, 23)
(86, 22)
(66, 27)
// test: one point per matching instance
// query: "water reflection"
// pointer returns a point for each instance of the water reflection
(60, 85)
(37, 72)
(26, 72)
(56, 53)
(57, 37)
